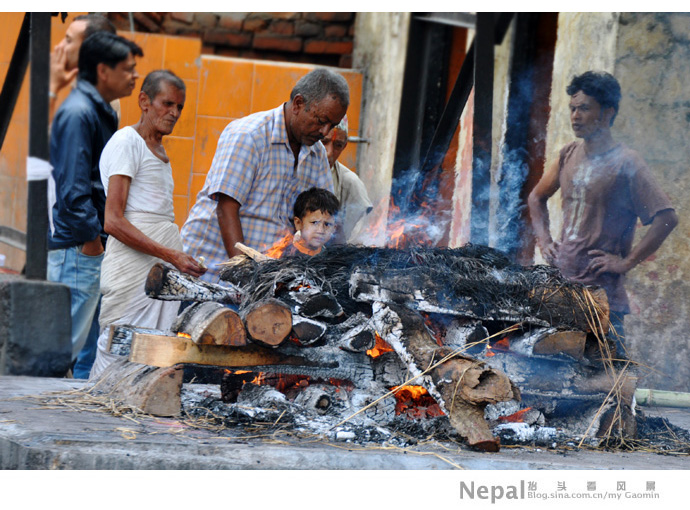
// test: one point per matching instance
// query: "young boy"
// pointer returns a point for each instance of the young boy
(314, 218)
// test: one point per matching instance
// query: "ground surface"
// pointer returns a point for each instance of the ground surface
(34, 435)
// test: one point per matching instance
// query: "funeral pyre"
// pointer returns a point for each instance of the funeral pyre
(458, 342)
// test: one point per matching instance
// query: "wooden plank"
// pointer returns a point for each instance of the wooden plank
(166, 351)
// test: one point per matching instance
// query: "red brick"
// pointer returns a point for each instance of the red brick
(330, 16)
(335, 31)
(225, 38)
(285, 15)
(267, 42)
(206, 19)
(345, 61)
(282, 27)
(184, 17)
(231, 20)
(330, 47)
(254, 24)
(351, 31)
(146, 22)
(307, 28)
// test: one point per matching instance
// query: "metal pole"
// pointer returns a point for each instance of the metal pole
(37, 214)
(14, 78)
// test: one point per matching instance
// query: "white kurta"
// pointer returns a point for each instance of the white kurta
(123, 273)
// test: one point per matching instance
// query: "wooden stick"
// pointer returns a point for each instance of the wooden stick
(252, 253)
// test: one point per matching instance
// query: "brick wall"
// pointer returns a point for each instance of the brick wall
(321, 38)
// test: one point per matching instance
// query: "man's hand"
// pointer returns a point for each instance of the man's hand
(603, 262)
(186, 263)
(60, 77)
(549, 252)
(92, 248)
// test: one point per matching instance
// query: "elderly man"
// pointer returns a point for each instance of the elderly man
(82, 126)
(139, 217)
(261, 164)
(65, 56)
(605, 188)
(350, 191)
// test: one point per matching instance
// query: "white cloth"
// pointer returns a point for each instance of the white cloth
(353, 198)
(124, 270)
(126, 153)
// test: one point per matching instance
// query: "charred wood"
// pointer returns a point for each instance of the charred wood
(307, 331)
(461, 385)
(168, 284)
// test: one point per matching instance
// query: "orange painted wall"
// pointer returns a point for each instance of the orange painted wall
(219, 90)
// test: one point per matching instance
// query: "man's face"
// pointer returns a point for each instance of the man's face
(163, 112)
(335, 143)
(120, 80)
(71, 43)
(587, 118)
(317, 228)
(311, 124)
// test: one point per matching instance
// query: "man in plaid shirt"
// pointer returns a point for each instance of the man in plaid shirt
(262, 162)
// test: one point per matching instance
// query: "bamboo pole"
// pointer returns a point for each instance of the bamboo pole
(649, 397)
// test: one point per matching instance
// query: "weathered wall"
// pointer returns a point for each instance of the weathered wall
(379, 53)
(653, 66)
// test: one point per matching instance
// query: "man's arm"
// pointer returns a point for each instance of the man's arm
(228, 213)
(662, 225)
(539, 212)
(119, 227)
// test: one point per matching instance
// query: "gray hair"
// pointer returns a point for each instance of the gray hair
(321, 83)
(152, 83)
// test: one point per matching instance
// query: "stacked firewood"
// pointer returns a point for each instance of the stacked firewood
(331, 308)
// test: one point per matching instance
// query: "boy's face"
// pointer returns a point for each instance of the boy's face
(317, 228)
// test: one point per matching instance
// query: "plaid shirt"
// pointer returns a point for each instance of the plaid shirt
(253, 164)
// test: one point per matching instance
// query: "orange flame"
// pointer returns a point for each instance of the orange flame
(415, 402)
(380, 347)
(517, 417)
(503, 345)
(184, 335)
(279, 247)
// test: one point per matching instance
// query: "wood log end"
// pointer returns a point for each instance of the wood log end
(486, 446)
(268, 323)
(155, 280)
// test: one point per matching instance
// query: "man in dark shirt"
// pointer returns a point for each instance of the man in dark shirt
(82, 126)
(605, 187)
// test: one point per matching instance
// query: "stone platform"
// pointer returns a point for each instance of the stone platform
(34, 436)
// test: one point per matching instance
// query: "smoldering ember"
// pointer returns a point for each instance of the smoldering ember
(385, 346)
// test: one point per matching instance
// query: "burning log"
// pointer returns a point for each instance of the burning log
(268, 322)
(315, 397)
(354, 335)
(462, 386)
(308, 331)
(211, 323)
(150, 389)
(168, 284)
(326, 362)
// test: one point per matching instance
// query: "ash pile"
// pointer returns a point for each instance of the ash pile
(374, 344)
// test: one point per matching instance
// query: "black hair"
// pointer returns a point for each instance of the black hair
(104, 47)
(152, 83)
(94, 23)
(316, 199)
(321, 83)
(600, 85)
